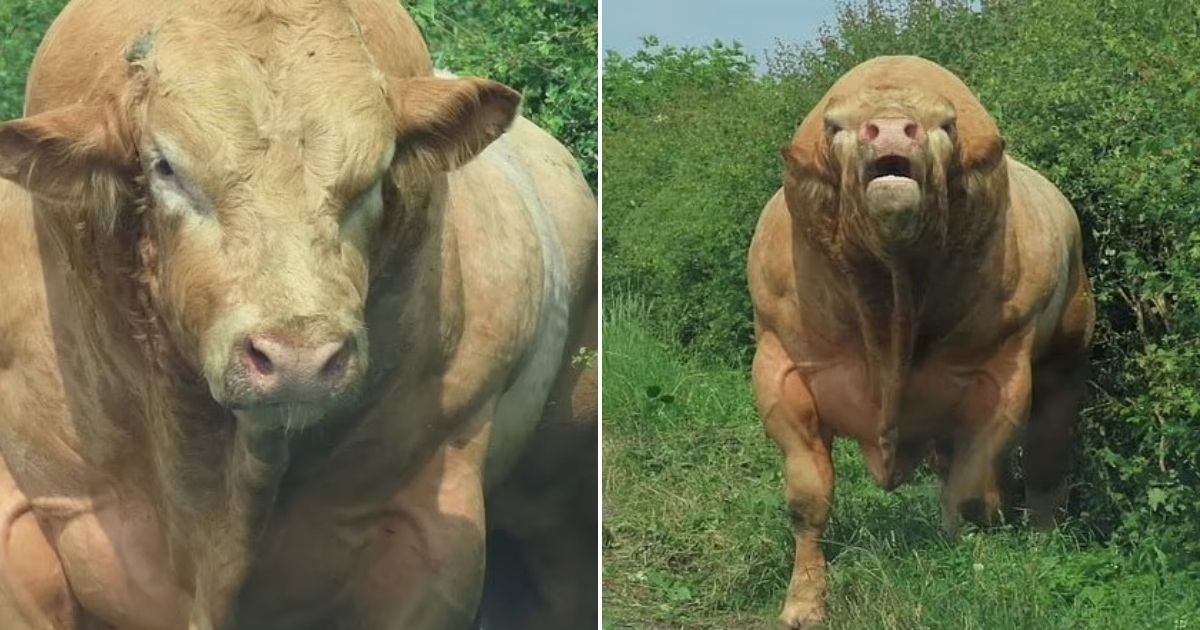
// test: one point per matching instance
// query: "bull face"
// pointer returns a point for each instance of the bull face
(892, 150)
(260, 161)
(889, 168)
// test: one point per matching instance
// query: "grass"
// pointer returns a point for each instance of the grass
(696, 535)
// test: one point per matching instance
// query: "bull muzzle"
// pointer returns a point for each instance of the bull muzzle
(893, 192)
(274, 368)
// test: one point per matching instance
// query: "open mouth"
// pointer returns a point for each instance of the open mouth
(891, 166)
(891, 191)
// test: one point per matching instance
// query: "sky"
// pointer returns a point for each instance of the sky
(757, 24)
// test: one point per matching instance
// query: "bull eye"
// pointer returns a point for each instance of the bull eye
(173, 192)
(949, 128)
(163, 168)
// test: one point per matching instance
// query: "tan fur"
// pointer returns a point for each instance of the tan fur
(939, 333)
(325, 185)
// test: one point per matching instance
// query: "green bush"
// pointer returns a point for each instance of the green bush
(22, 24)
(544, 48)
(690, 139)
(1102, 97)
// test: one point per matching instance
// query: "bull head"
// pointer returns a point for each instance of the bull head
(892, 164)
(261, 162)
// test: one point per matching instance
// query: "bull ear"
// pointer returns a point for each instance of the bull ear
(66, 153)
(444, 123)
(791, 156)
(807, 159)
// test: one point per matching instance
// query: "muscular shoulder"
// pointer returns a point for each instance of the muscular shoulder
(769, 267)
(1043, 233)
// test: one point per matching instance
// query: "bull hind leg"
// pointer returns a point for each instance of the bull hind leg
(1058, 390)
(542, 570)
(541, 556)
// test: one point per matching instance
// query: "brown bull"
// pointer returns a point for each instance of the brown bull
(922, 293)
(281, 311)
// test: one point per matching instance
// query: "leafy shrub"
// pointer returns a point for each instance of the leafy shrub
(689, 143)
(544, 48)
(22, 24)
(1102, 97)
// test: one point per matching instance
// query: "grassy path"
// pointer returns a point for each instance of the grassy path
(696, 536)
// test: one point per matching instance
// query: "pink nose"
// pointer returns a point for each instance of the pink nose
(281, 372)
(892, 136)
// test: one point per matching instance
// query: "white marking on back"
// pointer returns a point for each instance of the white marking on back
(1055, 219)
(520, 409)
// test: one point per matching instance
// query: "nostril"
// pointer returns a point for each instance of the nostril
(336, 365)
(871, 131)
(258, 359)
(910, 130)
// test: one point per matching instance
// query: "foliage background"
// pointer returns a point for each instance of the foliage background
(544, 48)
(1102, 97)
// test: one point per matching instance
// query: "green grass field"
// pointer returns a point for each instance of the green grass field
(696, 534)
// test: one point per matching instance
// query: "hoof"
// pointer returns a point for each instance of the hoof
(805, 625)
(802, 618)
(951, 525)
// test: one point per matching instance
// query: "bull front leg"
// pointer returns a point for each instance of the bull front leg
(34, 593)
(428, 558)
(790, 418)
